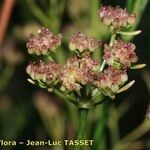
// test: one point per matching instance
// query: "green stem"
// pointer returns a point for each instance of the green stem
(82, 126)
(94, 30)
(94, 25)
(65, 97)
(94, 15)
(59, 94)
(100, 127)
(6, 75)
(72, 109)
(138, 7)
(130, 5)
(112, 39)
(38, 13)
(134, 135)
(138, 132)
(113, 124)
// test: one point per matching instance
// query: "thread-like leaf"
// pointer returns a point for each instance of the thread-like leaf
(126, 87)
(139, 66)
(31, 81)
(132, 33)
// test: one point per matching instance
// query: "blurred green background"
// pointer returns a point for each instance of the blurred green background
(28, 112)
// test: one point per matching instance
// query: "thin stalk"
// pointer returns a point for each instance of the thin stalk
(5, 76)
(60, 56)
(59, 94)
(72, 110)
(94, 18)
(112, 39)
(38, 13)
(113, 124)
(100, 127)
(138, 132)
(130, 5)
(138, 8)
(135, 134)
(102, 65)
(65, 97)
(82, 126)
(94, 6)
(94, 25)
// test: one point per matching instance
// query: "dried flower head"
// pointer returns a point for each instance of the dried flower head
(46, 42)
(111, 80)
(47, 73)
(78, 71)
(81, 42)
(121, 54)
(116, 17)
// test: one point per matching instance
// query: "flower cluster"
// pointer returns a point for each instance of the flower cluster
(81, 42)
(46, 42)
(82, 69)
(111, 80)
(116, 17)
(47, 73)
(121, 54)
(78, 71)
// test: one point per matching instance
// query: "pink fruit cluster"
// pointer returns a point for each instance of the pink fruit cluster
(46, 42)
(81, 42)
(121, 54)
(111, 79)
(116, 17)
